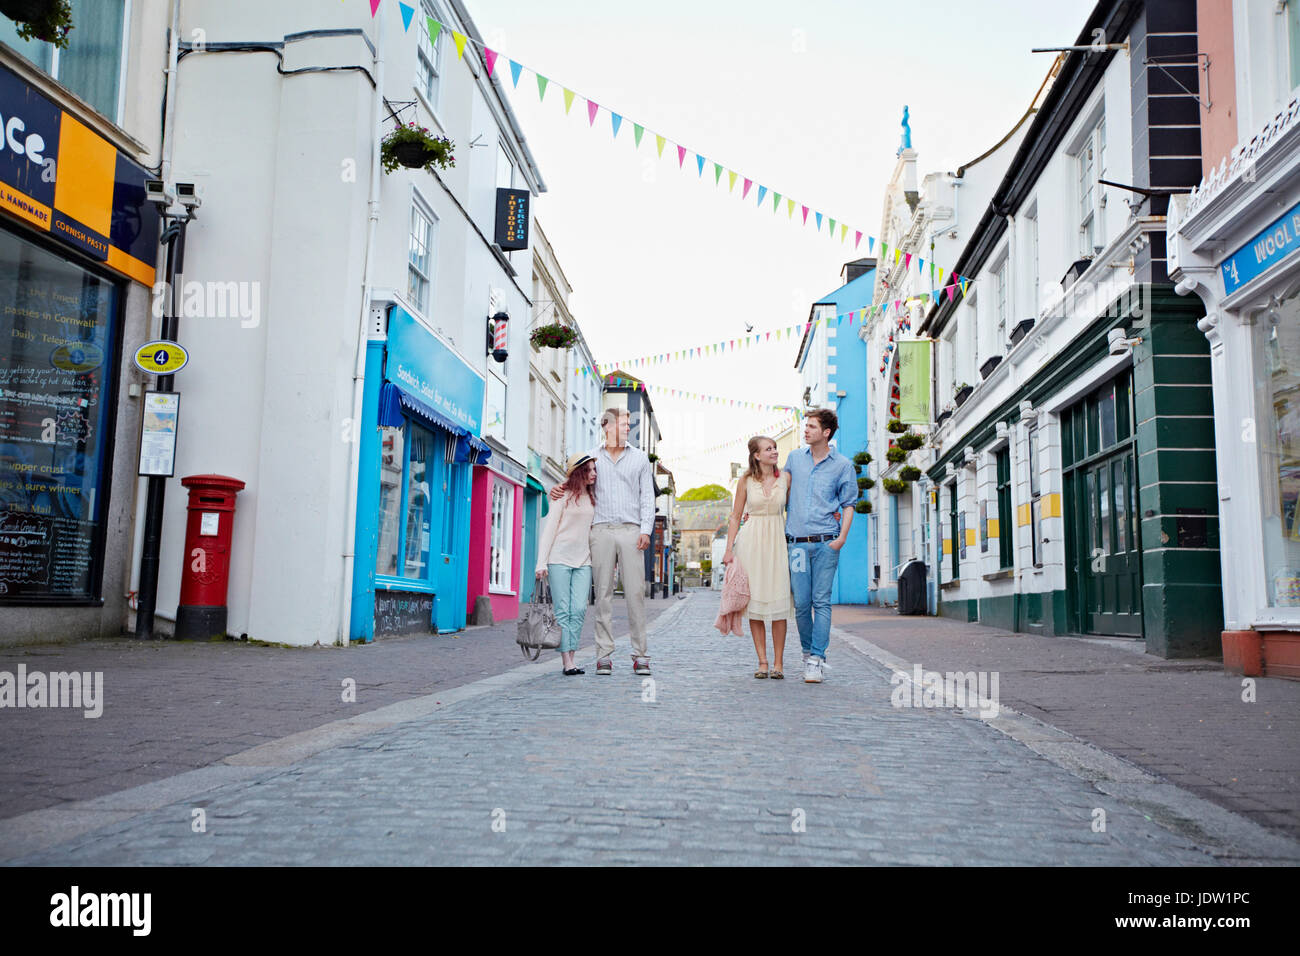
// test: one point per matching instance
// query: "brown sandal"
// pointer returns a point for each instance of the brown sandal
(761, 675)
(777, 675)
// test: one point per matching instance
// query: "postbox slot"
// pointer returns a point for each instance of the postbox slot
(211, 501)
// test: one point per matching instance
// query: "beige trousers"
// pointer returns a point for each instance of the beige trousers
(610, 543)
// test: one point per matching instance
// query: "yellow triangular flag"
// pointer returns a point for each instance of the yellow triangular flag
(460, 39)
(659, 142)
(731, 177)
(790, 205)
(897, 255)
(844, 231)
(568, 100)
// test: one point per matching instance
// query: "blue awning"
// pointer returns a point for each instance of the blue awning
(394, 402)
(472, 450)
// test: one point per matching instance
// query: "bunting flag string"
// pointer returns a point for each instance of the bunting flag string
(771, 429)
(489, 56)
(899, 308)
(617, 381)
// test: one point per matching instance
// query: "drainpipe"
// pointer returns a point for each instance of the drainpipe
(359, 369)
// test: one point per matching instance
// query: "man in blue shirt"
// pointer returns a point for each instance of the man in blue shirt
(823, 488)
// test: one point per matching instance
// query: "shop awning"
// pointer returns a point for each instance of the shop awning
(533, 484)
(394, 402)
(471, 449)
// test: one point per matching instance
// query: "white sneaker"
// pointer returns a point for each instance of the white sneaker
(812, 671)
(806, 655)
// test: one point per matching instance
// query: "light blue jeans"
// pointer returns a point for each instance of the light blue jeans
(569, 590)
(812, 572)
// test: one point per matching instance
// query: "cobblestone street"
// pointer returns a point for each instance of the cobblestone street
(705, 765)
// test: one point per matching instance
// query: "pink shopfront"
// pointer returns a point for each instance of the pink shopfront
(496, 543)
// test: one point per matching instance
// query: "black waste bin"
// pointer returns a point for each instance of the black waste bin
(911, 589)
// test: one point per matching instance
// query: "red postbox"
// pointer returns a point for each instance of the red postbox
(205, 574)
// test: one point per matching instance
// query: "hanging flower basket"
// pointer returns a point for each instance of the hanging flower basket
(414, 147)
(895, 486)
(553, 336)
(909, 473)
(896, 453)
(46, 20)
(863, 507)
(865, 483)
(896, 426)
(862, 458)
(909, 442)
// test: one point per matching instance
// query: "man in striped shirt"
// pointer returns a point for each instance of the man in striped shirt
(620, 533)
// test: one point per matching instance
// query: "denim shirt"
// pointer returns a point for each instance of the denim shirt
(817, 491)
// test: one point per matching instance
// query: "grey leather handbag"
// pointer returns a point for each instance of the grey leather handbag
(538, 629)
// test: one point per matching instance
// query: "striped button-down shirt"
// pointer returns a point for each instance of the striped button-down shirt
(624, 489)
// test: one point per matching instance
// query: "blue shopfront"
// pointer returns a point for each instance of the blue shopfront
(419, 441)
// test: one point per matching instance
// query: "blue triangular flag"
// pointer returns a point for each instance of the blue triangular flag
(616, 121)
(819, 220)
(515, 70)
(699, 161)
(407, 13)
(762, 191)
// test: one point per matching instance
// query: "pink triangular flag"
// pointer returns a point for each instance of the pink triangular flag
(907, 260)
(591, 112)
(745, 191)
(490, 58)
(681, 156)
(374, 8)
(951, 291)
(805, 214)
(857, 238)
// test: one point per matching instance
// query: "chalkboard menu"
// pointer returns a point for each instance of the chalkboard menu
(403, 612)
(512, 218)
(57, 339)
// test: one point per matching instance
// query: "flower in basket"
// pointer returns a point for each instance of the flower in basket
(896, 426)
(895, 486)
(414, 147)
(909, 473)
(895, 453)
(553, 336)
(46, 20)
(909, 442)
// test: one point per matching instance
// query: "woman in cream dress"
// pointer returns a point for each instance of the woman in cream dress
(761, 549)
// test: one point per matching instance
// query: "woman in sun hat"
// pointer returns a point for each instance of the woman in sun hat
(564, 554)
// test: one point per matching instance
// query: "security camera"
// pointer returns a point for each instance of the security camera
(156, 191)
(190, 195)
(1119, 343)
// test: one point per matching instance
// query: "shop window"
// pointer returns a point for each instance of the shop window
(59, 329)
(1005, 533)
(428, 74)
(420, 256)
(502, 531)
(94, 61)
(405, 502)
(1277, 387)
(1293, 40)
(955, 529)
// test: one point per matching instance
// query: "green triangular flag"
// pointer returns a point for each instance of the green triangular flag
(717, 174)
(541, 86)
(638, 130)
(434, 29)
(831, 231)
(776, 201)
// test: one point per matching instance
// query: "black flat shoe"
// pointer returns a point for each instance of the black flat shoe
(572, 671)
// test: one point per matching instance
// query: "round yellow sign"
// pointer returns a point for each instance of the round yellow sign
(161, 358)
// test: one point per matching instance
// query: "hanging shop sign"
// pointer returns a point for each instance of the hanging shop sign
(161, 358)
(914, 381)
(1269, 247)
(62, 177)
(512, 218)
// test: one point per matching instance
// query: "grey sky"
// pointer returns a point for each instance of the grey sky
(805, 99)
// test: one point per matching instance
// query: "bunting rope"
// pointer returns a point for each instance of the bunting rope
(898, 307)
(770, 429)
(620, 382)
(490, 57)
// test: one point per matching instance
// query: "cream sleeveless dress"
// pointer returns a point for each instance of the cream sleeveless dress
(761, 549)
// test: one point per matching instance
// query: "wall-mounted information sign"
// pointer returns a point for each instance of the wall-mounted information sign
(162, 412)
